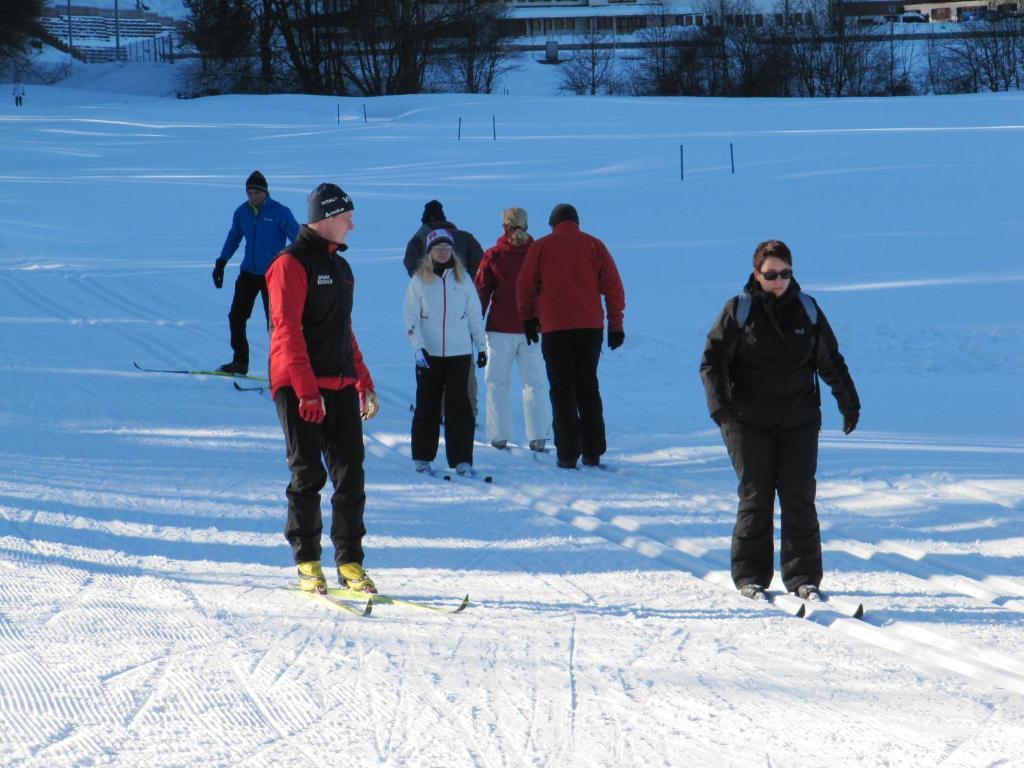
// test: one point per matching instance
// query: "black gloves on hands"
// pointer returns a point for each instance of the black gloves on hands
(218, 272)
(723, 416)
(481, 359)
(531, 328)
(850, 422)
(615, 339)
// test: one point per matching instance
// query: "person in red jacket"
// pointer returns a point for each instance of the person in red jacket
(559, 292)
(321, 387)
(506, 344)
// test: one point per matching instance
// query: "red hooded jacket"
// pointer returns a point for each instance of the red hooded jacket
(496, 283)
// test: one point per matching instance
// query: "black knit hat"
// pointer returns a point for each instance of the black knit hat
(563, 212)
(327, 200)
(258, 181)
(433, 211)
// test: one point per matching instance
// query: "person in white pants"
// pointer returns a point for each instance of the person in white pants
(507, 343)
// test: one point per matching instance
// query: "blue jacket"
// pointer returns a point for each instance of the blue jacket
(265, 233)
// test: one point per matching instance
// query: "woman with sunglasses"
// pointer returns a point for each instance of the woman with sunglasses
(760, 371)
(506, 343)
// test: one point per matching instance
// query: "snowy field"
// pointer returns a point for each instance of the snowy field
(145, 618)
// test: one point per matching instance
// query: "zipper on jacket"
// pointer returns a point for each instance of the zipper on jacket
(255, 227)
(444, 313)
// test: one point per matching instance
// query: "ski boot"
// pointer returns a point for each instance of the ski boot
(808, 592)
(753, 592)
(234, 368)
(352, 576)
(311, 577)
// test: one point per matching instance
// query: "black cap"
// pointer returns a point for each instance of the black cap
(433, 211)
(258, 181)
(563, 212)
(327, 200)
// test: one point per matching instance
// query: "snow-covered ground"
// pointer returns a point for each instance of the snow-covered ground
(145, 618)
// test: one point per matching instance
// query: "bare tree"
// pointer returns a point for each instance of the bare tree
(592, 69)
(226, 62)
(478, 46)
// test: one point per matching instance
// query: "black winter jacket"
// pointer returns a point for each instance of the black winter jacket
(467, 248)
(325, 296)
(764, 372)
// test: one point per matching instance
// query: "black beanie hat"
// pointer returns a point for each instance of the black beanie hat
(256, 180)
(433, 211)
(563, 212)
(327, 200)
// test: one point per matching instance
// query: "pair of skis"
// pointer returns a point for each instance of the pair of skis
(448, 476)
(362, 603)
(201, 372)
(802, 608)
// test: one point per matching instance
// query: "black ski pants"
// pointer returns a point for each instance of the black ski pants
(571, 358)
(445, 380)
(247, 287)
(339, 441)
(766, 461)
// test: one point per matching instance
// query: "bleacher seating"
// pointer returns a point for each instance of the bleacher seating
(93, 28)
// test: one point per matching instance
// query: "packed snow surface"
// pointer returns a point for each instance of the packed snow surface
(145, 611)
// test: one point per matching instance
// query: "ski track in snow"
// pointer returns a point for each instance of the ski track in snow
(144, 618)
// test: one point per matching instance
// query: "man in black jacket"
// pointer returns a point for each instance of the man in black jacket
(467, 248)
(760, 371)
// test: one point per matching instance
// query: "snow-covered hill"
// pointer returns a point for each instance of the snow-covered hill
(145, 618)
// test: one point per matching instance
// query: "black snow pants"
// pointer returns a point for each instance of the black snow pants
(571, 359)
(447, 380)
(766, 461)
(339, 441)
(247, 287)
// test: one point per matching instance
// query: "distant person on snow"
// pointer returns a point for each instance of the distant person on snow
(467, 250)
(559, 293)
(506, 342)
(321, 388)
(18, 93)
(443, 323)
(266, 225)
(760, 371)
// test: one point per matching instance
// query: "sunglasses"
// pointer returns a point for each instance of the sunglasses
(772, 274)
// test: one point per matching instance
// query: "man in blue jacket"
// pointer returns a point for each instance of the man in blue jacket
(266, 225)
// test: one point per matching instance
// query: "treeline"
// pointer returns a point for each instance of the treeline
(19, 25)
(351, 47)
(814, 52)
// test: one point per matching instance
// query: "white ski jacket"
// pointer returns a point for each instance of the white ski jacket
(444, 316)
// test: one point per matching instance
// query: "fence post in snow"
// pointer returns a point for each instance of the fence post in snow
(364, 114)
(494, 128)
(460, 130)
(732, 158)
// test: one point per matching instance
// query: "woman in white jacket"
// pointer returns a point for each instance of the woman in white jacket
(444, 323)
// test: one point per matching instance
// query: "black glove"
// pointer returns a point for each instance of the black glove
(850, 421)
(481, 359)
(723, 416)
(531, 328)
(218, 272)
(615, 339)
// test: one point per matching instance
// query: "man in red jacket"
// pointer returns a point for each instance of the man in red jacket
(321, 388)
(559, 292)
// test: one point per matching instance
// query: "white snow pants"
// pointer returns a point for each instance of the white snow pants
(502, 350)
